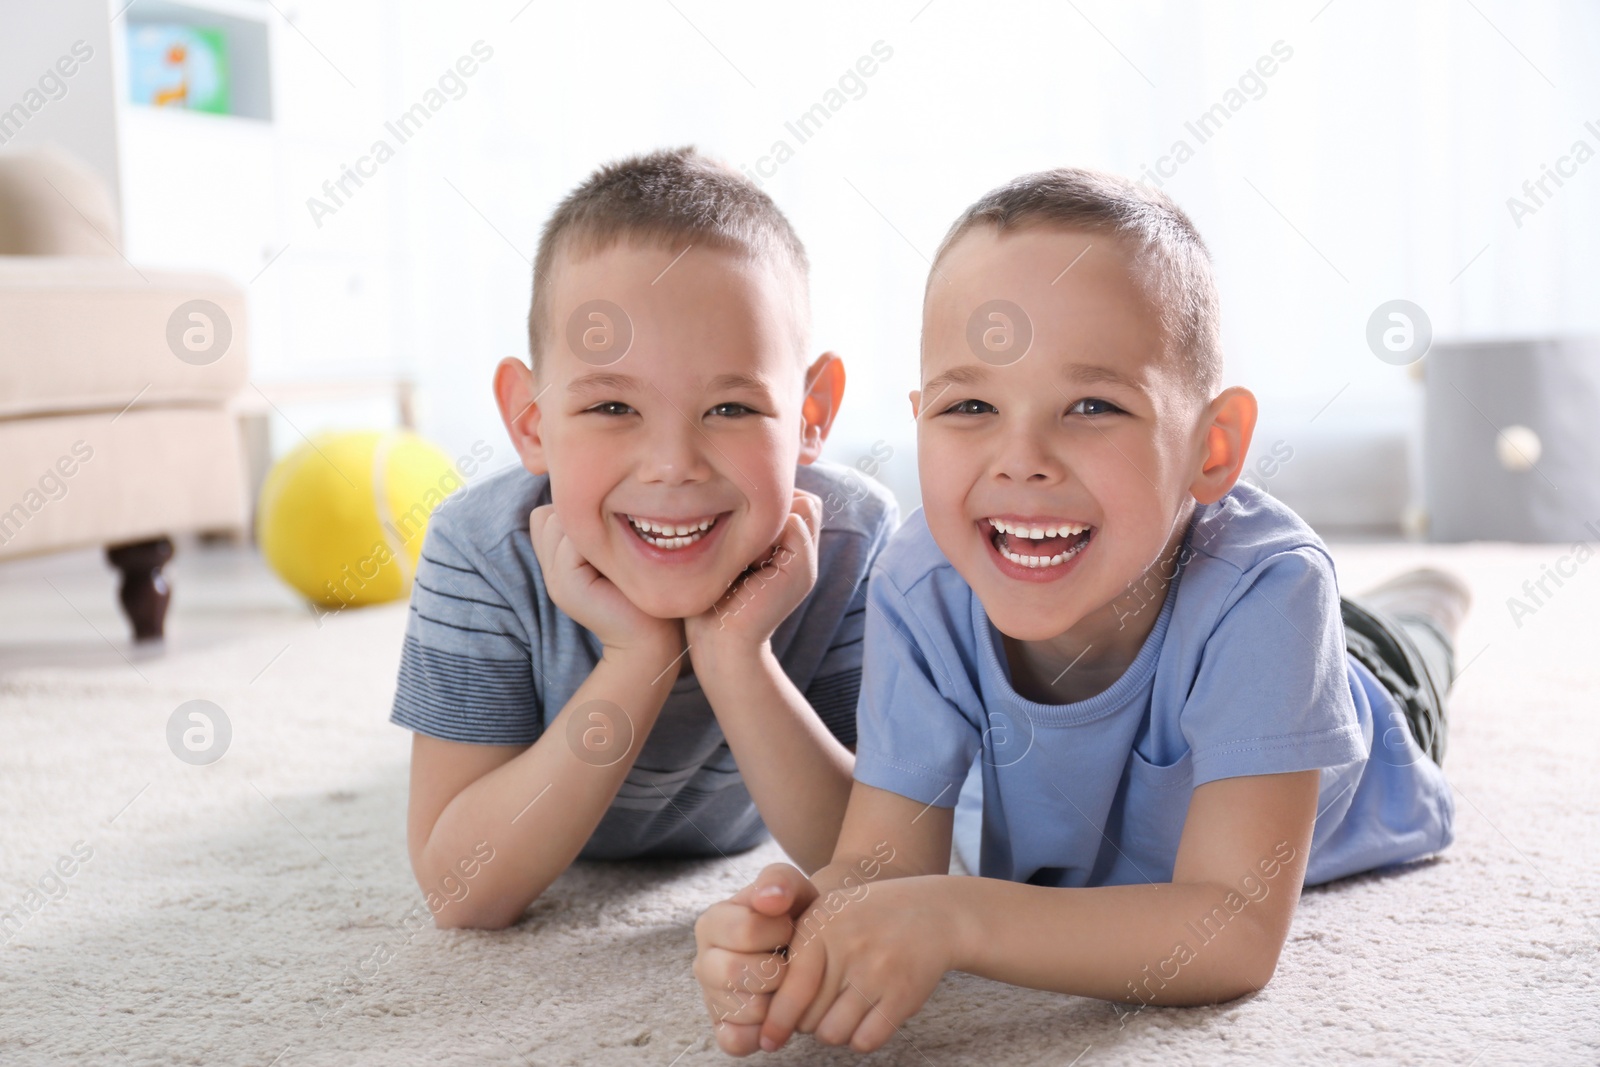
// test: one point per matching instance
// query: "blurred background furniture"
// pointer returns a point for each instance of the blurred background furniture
(404, 263)
(109, 437)
(1510, 450)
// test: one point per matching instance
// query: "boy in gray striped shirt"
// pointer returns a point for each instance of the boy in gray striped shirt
(646, 639)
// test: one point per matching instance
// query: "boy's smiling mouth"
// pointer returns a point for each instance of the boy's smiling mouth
(1037, 544)
(671, 535)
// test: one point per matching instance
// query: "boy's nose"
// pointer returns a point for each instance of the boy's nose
(675, 455)
(1023, 458)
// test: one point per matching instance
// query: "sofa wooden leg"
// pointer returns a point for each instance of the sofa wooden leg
(145, 592)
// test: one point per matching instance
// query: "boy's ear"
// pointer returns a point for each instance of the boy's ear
(824, 394)
(1229, 422)
(514, 392)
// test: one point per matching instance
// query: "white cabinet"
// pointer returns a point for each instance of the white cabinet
(228, 192)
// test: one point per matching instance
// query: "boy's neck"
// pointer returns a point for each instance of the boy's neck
(1089, 658)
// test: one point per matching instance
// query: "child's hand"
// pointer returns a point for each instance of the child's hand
(590, 597)
(861, 962)
(739, 959)
(765, 594)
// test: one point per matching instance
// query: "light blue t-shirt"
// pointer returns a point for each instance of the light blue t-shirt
(1245, 672)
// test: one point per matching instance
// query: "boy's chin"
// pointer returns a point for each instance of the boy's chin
(1029, 629)
(672, 603)
(1019, 623)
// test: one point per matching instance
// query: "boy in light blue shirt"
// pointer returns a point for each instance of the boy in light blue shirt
(1251, 578)
(1175, 719)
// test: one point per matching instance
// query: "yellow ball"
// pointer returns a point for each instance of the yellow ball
(341, 518)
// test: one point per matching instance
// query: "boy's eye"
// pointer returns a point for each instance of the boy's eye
(610, 407)
(971, 407)
(1093, 406)
(730, 410)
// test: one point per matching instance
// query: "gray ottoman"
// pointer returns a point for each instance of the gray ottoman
(1511, 445)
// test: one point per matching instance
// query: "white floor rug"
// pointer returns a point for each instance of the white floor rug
(260, 910)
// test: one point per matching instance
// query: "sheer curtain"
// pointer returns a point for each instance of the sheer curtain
(1339, 155)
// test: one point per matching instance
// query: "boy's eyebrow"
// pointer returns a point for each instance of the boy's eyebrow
(964, 375)
(604, 381)
(1086, 373)
(1089, 373)
(738, 381)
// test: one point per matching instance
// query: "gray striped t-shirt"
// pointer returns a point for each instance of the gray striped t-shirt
(489, 659)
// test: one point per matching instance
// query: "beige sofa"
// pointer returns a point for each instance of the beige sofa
(115, 384)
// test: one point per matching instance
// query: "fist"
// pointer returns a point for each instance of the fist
(769, 589)
(742, 952)
(589, 596)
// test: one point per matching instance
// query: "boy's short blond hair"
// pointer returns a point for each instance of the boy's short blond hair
(672, 197)
(1177, 265)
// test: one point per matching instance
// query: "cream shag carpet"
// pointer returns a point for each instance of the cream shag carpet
(260, 910)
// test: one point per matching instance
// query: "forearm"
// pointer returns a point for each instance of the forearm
(797, 772)
(537, 810)
(908, 854)
(1167, 943)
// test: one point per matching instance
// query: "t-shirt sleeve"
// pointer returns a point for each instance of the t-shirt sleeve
(914, 738)
(466, 672)
(836, 685)
(1272, 694)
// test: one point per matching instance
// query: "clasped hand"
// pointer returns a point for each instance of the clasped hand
(849, 964)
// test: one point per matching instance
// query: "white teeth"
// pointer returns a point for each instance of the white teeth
(1036, 562)
(670, 535)
(1038, 533)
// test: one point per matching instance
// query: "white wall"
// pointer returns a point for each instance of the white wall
(73, 112)
(1377, 164)
(1390, 140)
